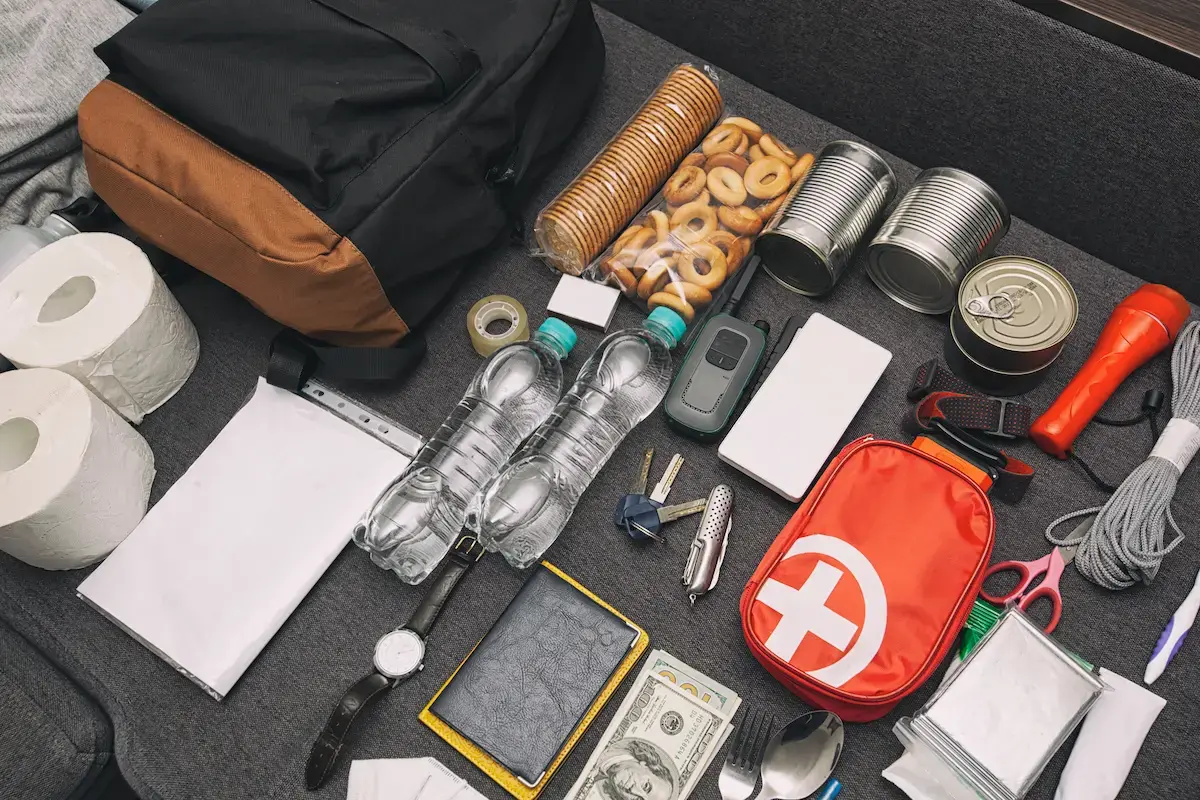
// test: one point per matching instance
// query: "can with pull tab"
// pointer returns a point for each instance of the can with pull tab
(1011, 320)
(708, 547)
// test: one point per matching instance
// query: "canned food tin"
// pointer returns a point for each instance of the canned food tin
(1010, 322)
(814, 234)
(944, 225)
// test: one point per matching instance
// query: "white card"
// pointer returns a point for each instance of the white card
(584, 301)
(805, 405)
(224, 558)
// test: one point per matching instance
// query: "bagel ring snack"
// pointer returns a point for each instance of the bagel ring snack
(692, 238)
(598, 204)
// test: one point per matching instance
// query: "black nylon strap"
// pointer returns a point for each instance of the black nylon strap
(328, 745)
(933, 377)
(940, 394)
(1014, 480)
(1012, 476)
(294, 359)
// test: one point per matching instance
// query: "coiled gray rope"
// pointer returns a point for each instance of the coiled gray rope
(1125, 543)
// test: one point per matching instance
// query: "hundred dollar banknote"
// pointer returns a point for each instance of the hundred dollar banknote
(660, 742)
(694, 682)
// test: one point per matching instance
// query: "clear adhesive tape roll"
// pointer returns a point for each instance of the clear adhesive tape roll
(491, 309)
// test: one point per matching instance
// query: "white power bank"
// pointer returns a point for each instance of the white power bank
(804, 406)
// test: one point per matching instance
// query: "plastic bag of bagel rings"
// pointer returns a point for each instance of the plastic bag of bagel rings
(692, 238)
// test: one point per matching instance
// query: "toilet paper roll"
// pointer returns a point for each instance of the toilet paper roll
(74, 477)
(92, 306)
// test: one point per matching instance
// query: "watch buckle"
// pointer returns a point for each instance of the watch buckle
(468, 547)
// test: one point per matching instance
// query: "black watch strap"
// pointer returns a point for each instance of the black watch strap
(329, 743)
(463, 555)
(325, 750)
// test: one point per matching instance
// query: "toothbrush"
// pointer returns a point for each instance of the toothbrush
(1172, 638)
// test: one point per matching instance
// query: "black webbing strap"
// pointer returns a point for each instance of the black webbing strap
(940, 394)
(951, 409)
(294, 359)
(1013, 481)
(1012, 476)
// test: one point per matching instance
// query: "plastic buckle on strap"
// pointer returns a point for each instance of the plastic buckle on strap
(999, 431)
(922, 382)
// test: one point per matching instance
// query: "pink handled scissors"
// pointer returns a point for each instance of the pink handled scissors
(1025, 593)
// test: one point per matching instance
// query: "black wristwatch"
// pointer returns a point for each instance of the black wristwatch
(399, 655)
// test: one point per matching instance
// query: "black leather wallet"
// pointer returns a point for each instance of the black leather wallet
(537, 675)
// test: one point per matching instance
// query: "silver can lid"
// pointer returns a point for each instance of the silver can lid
(795, 262)
(911, 278)
(1018, 304)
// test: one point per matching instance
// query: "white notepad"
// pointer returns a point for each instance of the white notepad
(224, 558)
(804, 406)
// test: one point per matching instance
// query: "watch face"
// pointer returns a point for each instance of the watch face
(399, 654)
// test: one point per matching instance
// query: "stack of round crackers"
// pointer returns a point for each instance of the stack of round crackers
(578, 224)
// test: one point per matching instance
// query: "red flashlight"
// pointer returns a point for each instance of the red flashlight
(1143, 325)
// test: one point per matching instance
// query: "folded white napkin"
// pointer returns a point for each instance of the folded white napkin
(407, 779)
(1109, 740)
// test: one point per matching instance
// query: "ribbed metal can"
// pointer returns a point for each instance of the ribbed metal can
(813, 236)
(944, 225)
(1011, 319)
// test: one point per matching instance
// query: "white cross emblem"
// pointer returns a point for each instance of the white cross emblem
(804, 612)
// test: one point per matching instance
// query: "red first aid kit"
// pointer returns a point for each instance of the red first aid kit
(864, 591)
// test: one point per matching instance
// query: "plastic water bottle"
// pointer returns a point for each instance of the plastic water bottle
(525, 508)
(418, 517)
(19, 242)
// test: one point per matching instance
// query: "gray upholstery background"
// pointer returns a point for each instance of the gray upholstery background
(54, 739)
(1092, 143)
(175, 742)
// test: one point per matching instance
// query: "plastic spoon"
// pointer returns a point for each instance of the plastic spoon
(801, 757)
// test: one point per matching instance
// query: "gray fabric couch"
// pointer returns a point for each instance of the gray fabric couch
(55, 741)
(173, 742)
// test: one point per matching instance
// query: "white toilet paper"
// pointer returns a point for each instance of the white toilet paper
(74, 477)
(92, 306)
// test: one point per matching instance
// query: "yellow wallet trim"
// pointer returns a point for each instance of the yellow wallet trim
(493, 768)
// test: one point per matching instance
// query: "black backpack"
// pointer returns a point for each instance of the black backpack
(338, 162)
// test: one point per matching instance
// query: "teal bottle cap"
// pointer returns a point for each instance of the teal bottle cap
(561, 333)
(669, 322)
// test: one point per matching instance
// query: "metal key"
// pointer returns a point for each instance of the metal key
(644, 476)
(647, 520)
(637, 494)
(663, 487)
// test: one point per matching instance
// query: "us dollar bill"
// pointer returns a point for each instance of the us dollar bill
(656, 748)
(694, 682)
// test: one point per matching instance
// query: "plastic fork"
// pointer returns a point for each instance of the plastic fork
(743, 762)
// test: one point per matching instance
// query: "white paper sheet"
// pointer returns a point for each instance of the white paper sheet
(221, 562)
(406, 779)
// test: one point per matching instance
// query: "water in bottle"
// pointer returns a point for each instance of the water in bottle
(417, 518)
(19, 242)
(524, 509)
